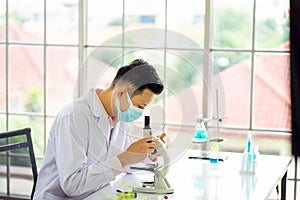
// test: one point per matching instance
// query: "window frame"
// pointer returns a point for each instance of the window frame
(83, 47)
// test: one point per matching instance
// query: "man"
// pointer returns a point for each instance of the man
(89, 141)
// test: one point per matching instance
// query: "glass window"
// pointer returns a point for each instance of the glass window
(104, 22)
(2, 21)
(147, 18)
(144, 14)
(244, 62)
(145, 38)
(29, 54)
(34, 123)
(62, 71)
(26, 25)
(2, 122)
(26, 78)
(184, 85)
(2, 78)
(101, 66)
(62, 22)
(272, 24)
(187, 18)
(232, 22)
(3, 179)
(272, 100)
(234, 69)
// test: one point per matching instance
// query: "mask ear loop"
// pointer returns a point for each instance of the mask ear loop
(129, 100)
(118, 105)
(131, 104)
(117, 101)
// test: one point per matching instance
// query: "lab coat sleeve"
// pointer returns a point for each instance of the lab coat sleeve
(76, 176)
(127, 169)
(128, 142)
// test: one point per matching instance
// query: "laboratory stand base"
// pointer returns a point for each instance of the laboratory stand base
(153, 190)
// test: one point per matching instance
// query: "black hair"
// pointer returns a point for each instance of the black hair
(139, 75)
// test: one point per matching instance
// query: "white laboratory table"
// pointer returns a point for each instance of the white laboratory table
(196, 179)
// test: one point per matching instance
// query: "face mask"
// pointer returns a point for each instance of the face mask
(131, 114)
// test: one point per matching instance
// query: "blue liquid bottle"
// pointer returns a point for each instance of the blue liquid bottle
(200, 130)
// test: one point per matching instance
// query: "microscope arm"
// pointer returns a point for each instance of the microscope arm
(161, 150)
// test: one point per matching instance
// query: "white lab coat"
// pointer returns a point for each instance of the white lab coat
(80, 154)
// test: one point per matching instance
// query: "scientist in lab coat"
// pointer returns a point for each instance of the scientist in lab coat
(90, 142)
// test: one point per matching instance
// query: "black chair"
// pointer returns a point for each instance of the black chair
(20, 145)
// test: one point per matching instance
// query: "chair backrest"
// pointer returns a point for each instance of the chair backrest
(20, 145)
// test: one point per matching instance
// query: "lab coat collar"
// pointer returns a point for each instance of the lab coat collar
(95, 104)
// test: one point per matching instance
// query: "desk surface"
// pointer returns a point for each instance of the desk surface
(196, 179)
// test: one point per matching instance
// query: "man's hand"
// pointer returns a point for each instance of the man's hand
(162, 136)
(137, 151)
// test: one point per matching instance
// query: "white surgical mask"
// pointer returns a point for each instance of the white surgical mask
(131, 114)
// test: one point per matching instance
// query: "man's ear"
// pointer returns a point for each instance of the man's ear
(120, 91)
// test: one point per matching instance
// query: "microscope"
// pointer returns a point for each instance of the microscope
(160, 185)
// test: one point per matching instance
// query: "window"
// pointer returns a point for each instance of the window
(54, 51)
(38, 69)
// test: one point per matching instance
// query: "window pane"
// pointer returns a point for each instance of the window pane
(234, 68)
(298, 189)
(141, 14)
(26, 79)
(177, 40)
(144, 14)
(62, 21)
(232, 22)
(37, 129)
(2, 20)
(3, 170)
(145, 38)
(101, 66)
(188, 21)
(2, 78)
(298, 168)
(26, 25)
(272, 24)
(20, 172)
(62, 68)
(290, 187)
(20, 186)
(266, 141)
(272, 101)
(104, 21)
(2, 123)
(184, 85)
